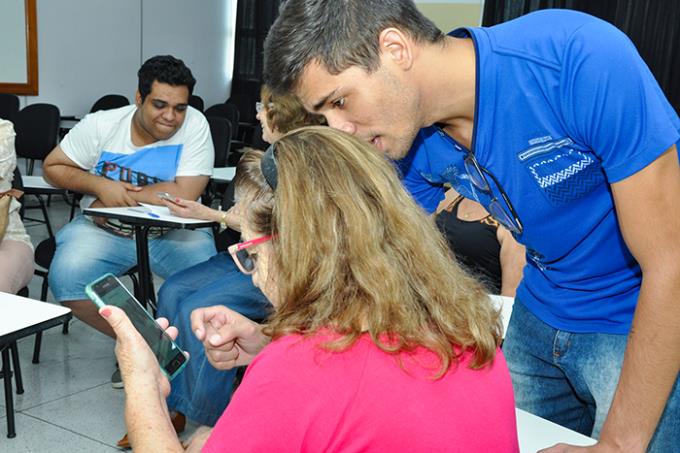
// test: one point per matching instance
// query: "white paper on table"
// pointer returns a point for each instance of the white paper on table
(162, 213)
(158, 210)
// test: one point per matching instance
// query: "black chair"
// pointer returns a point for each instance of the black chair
(37, 129)
(9, 106)
(196, 102)
(37, 133)
(220, 130)
(109, 102)
(230, 112)
(245, 103)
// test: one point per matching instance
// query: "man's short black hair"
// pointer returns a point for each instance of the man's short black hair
(164, 69)
(337, 33)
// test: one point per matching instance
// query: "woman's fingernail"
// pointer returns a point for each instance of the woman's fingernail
(105, 312)
(215, 340)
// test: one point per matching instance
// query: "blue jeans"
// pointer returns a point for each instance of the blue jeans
(200, 391)
(570, 378)
(85, 252)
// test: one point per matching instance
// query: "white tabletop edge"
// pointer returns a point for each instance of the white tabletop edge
(535, 433)
(20, 312)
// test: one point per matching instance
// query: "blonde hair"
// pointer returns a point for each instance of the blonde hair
(286, 112)
(355, 254)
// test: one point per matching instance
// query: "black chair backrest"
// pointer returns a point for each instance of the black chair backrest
(9, 106)
(109, 102)
(245, 102)
(228, 111)
(196, 102)
(256, 140)
(220, 130)
(37, 129)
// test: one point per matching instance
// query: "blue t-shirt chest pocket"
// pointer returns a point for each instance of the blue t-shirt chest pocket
(563, 171)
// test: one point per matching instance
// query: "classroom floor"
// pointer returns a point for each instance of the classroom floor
(68, 404)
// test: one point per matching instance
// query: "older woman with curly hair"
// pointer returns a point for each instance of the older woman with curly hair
(379, 341)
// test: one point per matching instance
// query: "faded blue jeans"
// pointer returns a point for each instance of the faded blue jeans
(200, 391)
(570, 378)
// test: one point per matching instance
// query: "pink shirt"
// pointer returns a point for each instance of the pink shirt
(298, 397)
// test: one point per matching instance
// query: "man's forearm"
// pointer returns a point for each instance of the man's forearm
(650, 366)
(148, 194)
(72, 178)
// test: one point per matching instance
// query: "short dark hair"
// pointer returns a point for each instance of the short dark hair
(339, 33)
(164, 69)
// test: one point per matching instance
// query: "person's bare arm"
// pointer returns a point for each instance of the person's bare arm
(188, 187)
(60, 171)
(449, 196)
(512, 258)
(647, 204)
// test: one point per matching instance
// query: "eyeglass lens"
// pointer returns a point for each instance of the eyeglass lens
(496, 208)
(259, 107)
(245, 260)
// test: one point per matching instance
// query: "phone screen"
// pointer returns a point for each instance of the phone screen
(110, 291)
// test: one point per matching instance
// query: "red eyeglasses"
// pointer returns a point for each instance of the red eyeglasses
(244, 260)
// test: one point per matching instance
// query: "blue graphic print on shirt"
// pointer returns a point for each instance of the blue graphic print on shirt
(146, 166)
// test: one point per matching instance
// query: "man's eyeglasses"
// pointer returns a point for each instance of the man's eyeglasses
(244, 261)
(502, 210)
(259, 106)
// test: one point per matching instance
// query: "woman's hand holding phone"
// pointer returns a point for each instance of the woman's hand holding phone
(188, 208)
(138, 365)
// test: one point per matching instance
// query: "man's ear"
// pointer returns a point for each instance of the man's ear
(138, 98)
(397, 47)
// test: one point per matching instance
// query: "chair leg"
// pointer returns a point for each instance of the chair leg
(17, 368)
(43, 291)
(45, 215)
(9, 398)
(135, 285)
(64, 329)
(36, 347)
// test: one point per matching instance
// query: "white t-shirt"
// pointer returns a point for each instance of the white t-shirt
(101, 144)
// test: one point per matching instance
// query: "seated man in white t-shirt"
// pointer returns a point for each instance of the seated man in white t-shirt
(122, 157)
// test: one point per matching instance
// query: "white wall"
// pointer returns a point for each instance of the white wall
(88, 48)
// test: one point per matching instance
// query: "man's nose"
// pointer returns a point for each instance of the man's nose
(169, 114)
(337, 122)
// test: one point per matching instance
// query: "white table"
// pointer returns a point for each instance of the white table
(223, 174)
(38, 184)
(505, 304)
(20, 318)
(535, 433)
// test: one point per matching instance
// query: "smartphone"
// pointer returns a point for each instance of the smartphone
(166, 196)
(108, 290)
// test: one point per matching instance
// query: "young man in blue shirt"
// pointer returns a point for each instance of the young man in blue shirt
(554, 123)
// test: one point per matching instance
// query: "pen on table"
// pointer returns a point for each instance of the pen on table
(154, 215)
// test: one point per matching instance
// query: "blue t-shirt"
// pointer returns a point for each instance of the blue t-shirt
(565, 107)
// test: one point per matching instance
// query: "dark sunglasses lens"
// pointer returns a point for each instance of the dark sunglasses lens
(245, 260)
(499, 213)
(476, 176)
